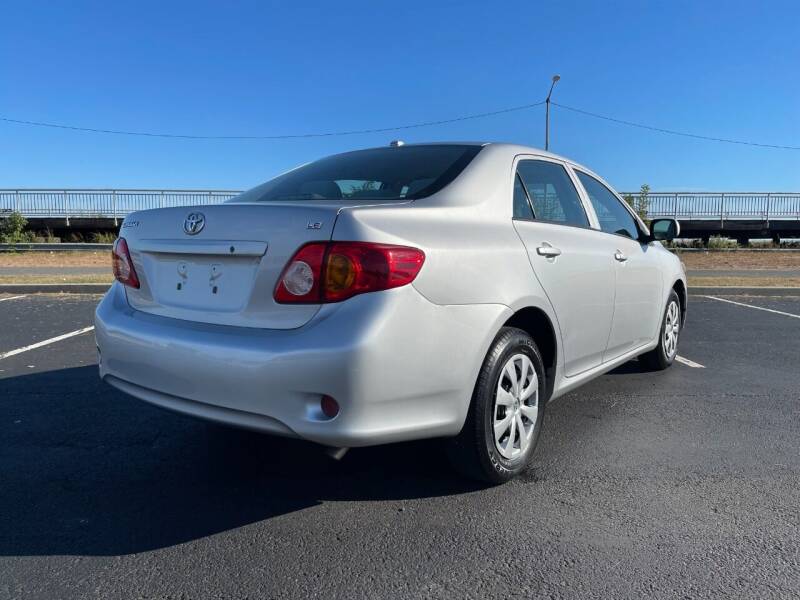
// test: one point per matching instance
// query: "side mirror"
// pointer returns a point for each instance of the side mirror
(664, 230)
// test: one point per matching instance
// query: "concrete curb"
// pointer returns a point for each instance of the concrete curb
(744, 291)
(54, 288)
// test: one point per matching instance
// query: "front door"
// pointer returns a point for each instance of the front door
(637, 307)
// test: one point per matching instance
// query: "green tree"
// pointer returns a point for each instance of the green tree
(641, 202)
(12, 229)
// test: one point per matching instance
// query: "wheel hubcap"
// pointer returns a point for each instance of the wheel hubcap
(672, 327)
(516, 406)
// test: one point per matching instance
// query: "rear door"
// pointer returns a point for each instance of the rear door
(577, 276)
(637, 306)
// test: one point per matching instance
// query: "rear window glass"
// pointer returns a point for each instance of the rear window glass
(404, 172)
(553, 196)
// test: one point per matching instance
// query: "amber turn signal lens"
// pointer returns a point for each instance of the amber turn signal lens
(340, 274)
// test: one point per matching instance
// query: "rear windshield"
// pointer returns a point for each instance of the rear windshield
(393, 173)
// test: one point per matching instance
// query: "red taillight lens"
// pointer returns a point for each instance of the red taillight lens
(331, 272)
(353, 268)
(123, 265)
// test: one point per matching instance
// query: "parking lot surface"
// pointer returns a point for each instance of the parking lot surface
(684, 483)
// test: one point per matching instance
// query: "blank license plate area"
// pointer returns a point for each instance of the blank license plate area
(202, 282)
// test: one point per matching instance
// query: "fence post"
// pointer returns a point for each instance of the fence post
(768, 207)
(66, 206)
(675, 208)
(16, 201)
(161, 200)
(722, 212)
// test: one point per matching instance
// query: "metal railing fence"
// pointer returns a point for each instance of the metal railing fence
(116, 204)
(763, 206)
(102, 204)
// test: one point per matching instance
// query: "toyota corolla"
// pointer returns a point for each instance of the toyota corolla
(396, 293)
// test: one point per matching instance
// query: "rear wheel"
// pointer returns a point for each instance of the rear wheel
(506, 412)
(663, 355)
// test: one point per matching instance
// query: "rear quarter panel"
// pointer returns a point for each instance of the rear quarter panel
(473, 254)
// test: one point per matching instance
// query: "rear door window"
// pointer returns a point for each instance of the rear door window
(613, 216)
(552, 195)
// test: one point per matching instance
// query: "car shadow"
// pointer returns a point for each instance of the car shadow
(628, 368)
(86, 470)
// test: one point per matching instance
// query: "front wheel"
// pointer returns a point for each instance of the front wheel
(663, 355)
(506, 412)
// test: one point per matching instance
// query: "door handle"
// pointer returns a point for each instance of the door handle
(619, 256)
(547, 250)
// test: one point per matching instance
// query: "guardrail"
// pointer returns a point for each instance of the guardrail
(101, 204)
(764, 206)
(116, 204)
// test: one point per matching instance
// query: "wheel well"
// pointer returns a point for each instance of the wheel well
(537, 324)
(680, 289)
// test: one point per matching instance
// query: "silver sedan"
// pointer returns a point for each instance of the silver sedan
(396, 293)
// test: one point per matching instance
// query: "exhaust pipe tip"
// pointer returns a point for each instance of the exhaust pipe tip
(335, 453)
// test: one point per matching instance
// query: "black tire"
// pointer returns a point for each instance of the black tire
(660, 358)
(474, 452)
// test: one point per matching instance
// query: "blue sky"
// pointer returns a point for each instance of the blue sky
(727, 69)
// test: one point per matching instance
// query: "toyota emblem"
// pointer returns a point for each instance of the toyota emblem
(194, 223)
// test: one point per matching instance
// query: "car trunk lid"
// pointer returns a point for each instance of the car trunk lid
(222, 271)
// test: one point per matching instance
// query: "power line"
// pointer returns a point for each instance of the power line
(398, 128)
(273, 137)
(672, 131)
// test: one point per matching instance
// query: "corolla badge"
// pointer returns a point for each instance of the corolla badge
(194, 223)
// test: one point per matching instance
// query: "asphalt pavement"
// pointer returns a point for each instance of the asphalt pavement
(684, 483)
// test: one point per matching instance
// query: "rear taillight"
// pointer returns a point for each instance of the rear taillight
(323, 272)
(123, 265)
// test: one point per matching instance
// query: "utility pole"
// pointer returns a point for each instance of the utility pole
(547, 113)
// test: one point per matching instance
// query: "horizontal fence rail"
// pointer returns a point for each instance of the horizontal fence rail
(116, 204)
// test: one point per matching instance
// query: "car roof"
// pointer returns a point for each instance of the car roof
(510, 148)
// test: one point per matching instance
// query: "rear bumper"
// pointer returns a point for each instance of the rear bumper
(400, 367)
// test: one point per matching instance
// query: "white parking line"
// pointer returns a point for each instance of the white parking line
(45, 342)
(777, 312)
(11, 298)
(689, 363)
